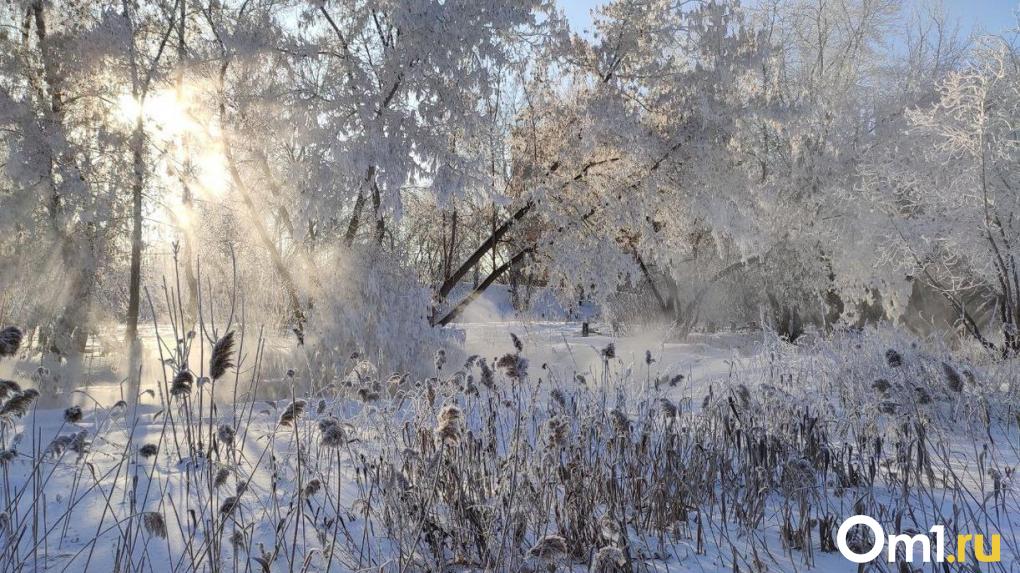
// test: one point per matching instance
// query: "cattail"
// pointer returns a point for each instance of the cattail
(10, 340)
(550, 549)
(327, 423)
(514, 366)
(610, 529)
(923, 396)
(72, 415)
(8, 387)
(237, 540)
(292, 412)
(448, 429)
(154, 524)
(608, 560)
(557, 430)
(229, 505)
(893, 358)
(312, 488)
(222, 358)
(118, 409)
(181, 385)
(648, 358)
(620, 421)
(367, 395)
(517, 342)
(221, 477)
(675, 380)
(557, 396)
(18, 405)
(225, 434)
(609, 352)
(485, 374)
(440, 359)
(882, 385)
(888, 407)
(148, 450)
(667, 408)
(953, 378)
(451, 413)
(743, 393)
(333, 435)
(80, 442)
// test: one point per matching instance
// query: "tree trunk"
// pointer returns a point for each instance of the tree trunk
(135, 277)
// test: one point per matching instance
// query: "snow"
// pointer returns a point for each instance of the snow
(92, 505)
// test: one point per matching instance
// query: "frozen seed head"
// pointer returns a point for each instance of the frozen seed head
(610, 529)
(557, 430)
(667, 408)
(485, 374)
(440, 359)
(608, 560)
(222, 358)
(953, 379)
(648, 358)
(312, 488)
(675, 380)
(148, 450)
(181, 385)
(558, 397)
(73, 415)
(7, 456)
(881, 385)
(10, 340)
(237, 540)
(154, 524)
(922, 395)
(888, 407)
(19, 404)
(229, 505)
(221, 477)
(893, 358)
(333, 434)
(225, 434)
(609, 352)
(8, 387)
(514, 366)
(551, 549)
(367, 395)
(517, 342)
(620, 421)
(292, 412)
(449, 422)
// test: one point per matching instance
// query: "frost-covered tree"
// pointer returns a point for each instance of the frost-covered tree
(948, 189)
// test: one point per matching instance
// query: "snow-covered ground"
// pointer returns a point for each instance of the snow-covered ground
(166, 487)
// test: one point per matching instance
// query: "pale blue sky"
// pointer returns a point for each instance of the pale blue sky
(992, 16)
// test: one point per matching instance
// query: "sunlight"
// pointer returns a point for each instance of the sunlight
(190, 149)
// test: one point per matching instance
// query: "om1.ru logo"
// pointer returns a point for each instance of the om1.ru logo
(911, 543)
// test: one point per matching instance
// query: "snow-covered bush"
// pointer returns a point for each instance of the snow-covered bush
(370, 304)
